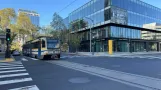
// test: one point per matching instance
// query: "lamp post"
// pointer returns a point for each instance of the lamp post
(90, 33)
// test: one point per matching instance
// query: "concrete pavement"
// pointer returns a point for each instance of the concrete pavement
(112, 73)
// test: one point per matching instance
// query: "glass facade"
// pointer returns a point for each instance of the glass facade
(120, 32)
(139, 13)
(34, 20)
(98, 13)
(34, 16)
(93, 10)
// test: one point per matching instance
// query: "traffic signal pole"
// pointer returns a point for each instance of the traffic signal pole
(8, 38)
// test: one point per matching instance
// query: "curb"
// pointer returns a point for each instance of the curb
(8, 60)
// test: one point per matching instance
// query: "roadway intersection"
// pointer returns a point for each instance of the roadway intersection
(73, 72)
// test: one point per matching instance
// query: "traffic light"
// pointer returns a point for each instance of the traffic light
(8, 34)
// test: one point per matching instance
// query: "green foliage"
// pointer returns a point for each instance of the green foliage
(7, 16)
(46, 30)
(75, 40)
(57, 22)
(19, 25)
(15, 46)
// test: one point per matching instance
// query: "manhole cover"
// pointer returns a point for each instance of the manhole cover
(79, 80)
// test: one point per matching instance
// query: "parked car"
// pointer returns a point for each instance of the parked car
(16, 53)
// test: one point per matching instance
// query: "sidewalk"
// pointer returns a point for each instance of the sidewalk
(116, 54)
(3, 59)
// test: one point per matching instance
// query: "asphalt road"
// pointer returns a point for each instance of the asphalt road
(52, 75)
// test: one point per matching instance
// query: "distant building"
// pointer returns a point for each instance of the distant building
(34, 16)
(149, 35)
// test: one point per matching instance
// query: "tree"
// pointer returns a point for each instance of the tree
(7, 16)
(57, 23)
(25, 27)
(58, 27)
(46, 30)
(20, 25)
(15, 46)
(75, 40)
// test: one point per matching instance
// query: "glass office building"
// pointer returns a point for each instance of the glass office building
(34, 16)
(118, 20)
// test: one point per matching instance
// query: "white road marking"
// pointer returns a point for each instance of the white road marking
(13, 75)
(15, 81)
(34, 59)
(34, 87)
(16, 62)
(10, 64)
(146, 57)
(12, 71)
(11, 68)
(24, 59)
(139, 81)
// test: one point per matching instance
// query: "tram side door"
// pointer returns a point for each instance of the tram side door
(39, 49)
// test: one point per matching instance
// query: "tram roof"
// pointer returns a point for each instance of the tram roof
(39, 38)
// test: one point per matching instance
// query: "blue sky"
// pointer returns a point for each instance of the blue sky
(46, 8)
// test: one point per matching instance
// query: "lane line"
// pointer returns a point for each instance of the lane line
(15, 81)
(13, 75)
(11, 68)
(33, 87)
(136, 80)
(12, 71)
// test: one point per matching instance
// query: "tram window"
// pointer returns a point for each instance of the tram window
(43, 43)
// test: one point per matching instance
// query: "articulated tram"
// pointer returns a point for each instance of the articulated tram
(42, 47)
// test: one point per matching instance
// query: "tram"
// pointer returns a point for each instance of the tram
(42, 47)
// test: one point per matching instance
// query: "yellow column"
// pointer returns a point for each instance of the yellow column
(110, 47)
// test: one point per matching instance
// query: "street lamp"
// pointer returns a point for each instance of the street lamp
(90, 33)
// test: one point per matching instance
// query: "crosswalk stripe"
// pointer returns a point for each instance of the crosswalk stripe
(16, 62)
(13, 75)
(11, 68)
(33, 87)
(34, 59)
(15, 81)
(12, 71)
(9, 64)
(24, 59)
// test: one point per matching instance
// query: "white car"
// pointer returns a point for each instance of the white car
(16, 53)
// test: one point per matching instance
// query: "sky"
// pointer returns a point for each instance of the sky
(46, 8)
